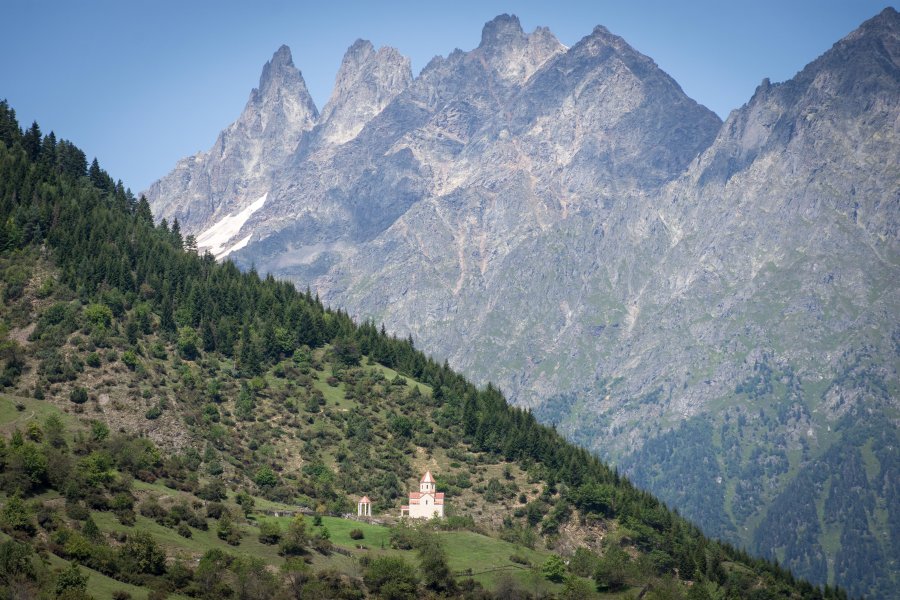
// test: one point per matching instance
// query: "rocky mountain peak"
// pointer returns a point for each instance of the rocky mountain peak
(366, 82)
(501, 30)
(280, 108)
(278, 70)
(885, 22)
(514, 55)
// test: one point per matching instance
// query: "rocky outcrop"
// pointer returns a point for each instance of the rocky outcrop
(367, 81)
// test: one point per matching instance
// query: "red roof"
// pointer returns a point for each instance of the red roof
(415, 495)
(427, 478)
(365, 500)
(439, 496)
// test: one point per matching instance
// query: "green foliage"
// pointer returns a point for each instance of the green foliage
(265, 477)
(436, 574)
(17, 517)
(576, 589)
(296, 539)
(15, 562)
(93, 360)
(612, 570)
(253, 581)
(78, 395)
(188, 343)
(213, 491)
(554, 569)
(346, 351)
(71, 582)
(269, 532)
(391, 578)
(228, 530)
(246, 502)
(583, 562)
(142, 554)
(130, 359)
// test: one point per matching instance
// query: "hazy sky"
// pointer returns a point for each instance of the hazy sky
(142, 83)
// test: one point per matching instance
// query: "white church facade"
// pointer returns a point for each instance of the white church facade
(427, 503)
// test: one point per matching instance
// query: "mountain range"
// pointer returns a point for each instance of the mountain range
(711, 306)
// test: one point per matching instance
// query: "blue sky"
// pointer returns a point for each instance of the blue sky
(141, 83)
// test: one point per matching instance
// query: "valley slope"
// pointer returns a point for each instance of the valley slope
(170, 426)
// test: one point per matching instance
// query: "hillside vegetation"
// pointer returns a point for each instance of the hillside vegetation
(172, 426)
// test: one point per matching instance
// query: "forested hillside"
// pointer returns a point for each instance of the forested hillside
(161, 413)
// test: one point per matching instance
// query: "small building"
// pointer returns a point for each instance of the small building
(364, 507)
(427, 503)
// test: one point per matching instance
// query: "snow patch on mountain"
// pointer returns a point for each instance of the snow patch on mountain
(216, 238)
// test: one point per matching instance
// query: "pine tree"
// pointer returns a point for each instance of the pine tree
(31, 141)
(142, 211)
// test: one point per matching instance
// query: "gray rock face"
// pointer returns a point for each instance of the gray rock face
(711, 306)
(367, 81)
(204, 187)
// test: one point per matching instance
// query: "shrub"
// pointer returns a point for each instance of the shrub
(356, 534)
(213, 491)
(265, 477)
(269, 533)
(215, 510)
(78, 395)
(142, 554)
(612, 569)
(391, 577)
(554, 569)
(520, 560)
(71, 580)
(16, 516)
(293, 543)
(129, 358)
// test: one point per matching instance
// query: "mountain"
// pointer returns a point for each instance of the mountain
(170, 426)
(712, 306)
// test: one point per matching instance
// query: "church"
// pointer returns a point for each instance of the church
(427, 503)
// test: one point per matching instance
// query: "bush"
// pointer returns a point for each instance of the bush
(391, 577)
(143, 555)
(71, 580)
(520, 560)
(129, 358)
(356, 534)
(265, 477)
(16, 516)
(612, 570)
(554, 569)
(215, 510)
(584, 562)
(78, 395)
(269, 533)
(213, 491)
(293, 543)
